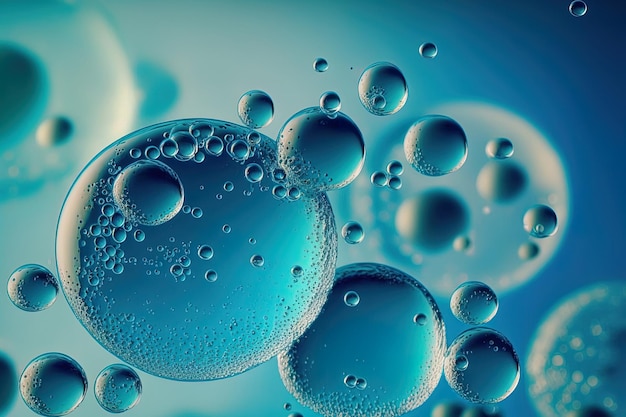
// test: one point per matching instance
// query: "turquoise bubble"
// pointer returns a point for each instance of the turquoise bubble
(578, 8)
(501, 181)
(591, 411)
(352, 232)
(117, 388)
(369, 359)
(195, 318)
(395, 182)
(320, 64)
(379, 179)
(540, 221)
(255, 109)
(395, 168)
(32, 287)
(447, 410)
(482, 366)
(53, 384)
(54, 131)
(8, 383)
(318, 152)
(330, 103)
(383, 90)
(500, 148)
(428, 50)
(435, 145)
(474, 302)
(528, 251)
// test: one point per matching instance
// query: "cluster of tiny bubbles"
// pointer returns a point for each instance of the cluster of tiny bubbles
(132, 243)
(32, 287)
(383, 90)
(8, 382)
(578, 8)
(482, 366)
(390, 178)
(432, 219)
(304, 142)
(474, 302)
(500, 148)
(53, 384)
(501, 181)
(54, 131)
(352, 232)
(255, 109)
(330, 103)
(435, 145)
(347, 363)
(428, 50)
(540, 221)
(320, 64)
(576, 357)
(117, 388)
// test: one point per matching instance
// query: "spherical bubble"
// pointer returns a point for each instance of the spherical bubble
(578, 8)
(461, 243)
(501, 181)
(395, 182)
(362, 342)
(447, 410)
(186, 145)
(353, 232)
(435, 145)
(117, 388)
(318, 152)
(474, 303)
(320, 64)
(257, 261)
(576, 357)
(395, 168)
(256, 109)
(253, 172)
(53, 384)
(428, 50)
(540, 221)
(148, 192)
(351, 299)
(379, 179)
(480, 412)
(8, 383)
(483, 352)
(432, 219)
(591, 411)
(54, 131)
(190, 325)
(528, 251)
(32, 287)
(500, 148)
(383, 90)
(330, 103)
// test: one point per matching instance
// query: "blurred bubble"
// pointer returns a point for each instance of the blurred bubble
(8, 383)
(330, 103)
(528, 251)
(447, 410)
(54, 131)
(592, 411)
(501, 181)
(480, 412)
(540, 221)
(578, 8)
(158, 89)
(32, 287)
(474, 302)
(383, 89)
(117, 388)
(352, 232)
(428, 50)
(256, 109)
(320, 64)
(501, 148)
(462, 243)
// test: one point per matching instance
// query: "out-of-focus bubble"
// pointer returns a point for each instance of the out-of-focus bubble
(462, 243)
(256, 109)
(320, 65)
(578, 8)
(348, 361)
(395, 168)
(500, 148)
(474, 302)
(383, 90)
(8, 383)
(32, 287)
(528, 251)
(53, 384)
(447, 410)
(158, 90)
(353, 232)
(540, 221)
(330, 103)
(480, 412)
(490, 367)
(428, 50)
(117, 388)
(591, 411)
(501, 181)
(576, 358)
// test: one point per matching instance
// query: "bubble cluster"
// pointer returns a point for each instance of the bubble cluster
(540, 221)
(428, 50)
(255, 109)
(474, 302)
(32, 287)
(348, 361)
(54, 131)
(383, 90)
(117, 388)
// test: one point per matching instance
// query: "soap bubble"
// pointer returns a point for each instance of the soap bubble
(383, 89)
(318, 152)
(8, 383)
(348, 361)
(428, 50)
(474, 302)
(117, 388)
(578, 8)
(501, 148)
(395, 168)
(379, 179)
(540, 221)
(576, 358)
(320, 64)
(53, 384)
(490, 370)
(189, 324)
(351, 298)
(32, 287)
(256, 109)
(352, 232)
(54, 131)
(330, 103)
(501, 181)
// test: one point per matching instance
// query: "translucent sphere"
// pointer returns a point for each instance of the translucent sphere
(474, 302)
(383, 89)
(578, 8)
(482, 366)
(53, 384)
(320, 64)
(435, 145)
(117, 388)
(501, 148)
(348, 362)
(428, 50)
(195, 318)
(591, 411)
(32, 287)
(54, 131)
(330, 103)
(501, 181)
(395, 168)
(256, 109)
(528, 251)
(576, 359)
(540, 221)
(353, 232)
(379, 179)
(8, 383)
(318, 152)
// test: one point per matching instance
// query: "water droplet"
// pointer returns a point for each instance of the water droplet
(54, 131)
(214, 145)
(351, 298)
(239, 150)
(352, 232)
(205, 252)
(320, 65)
(117, 388)
(256, 109)
(253, 172)
(474, 302)
(257, 261)
(32, 287)
(578, 8)
(500, 148)
(383, 89)
(210, 275)
(528, 251)
(461, 363)
(420, 319)
(330, 103)
(428, 50)
(501, 181)
(379, 179)
(540, 221)
(395, 168)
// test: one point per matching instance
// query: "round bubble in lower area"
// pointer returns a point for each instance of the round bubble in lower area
(480, 412)
(576, 358)
(348, 362)
(500, 148)
(54, 131)
(319, 152)
(490, 370)
(32, 287)
(162, 304)
(8, 382)
(352, 232)
(578, 8)
(320, 64)
(53, 384)
(447, 409)
(383, 90)
(255, 109)
(540, 221)
(117, 388)
(474, 302)
(435, 145)
(428, 50)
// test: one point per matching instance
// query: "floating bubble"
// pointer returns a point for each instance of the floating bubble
(474, 302)
(501, 181)
(352, 232)
(379, 179)
(117, 388)
(461, 243)
(32, 287)
(591, 411)
(540, 221)
(482, 366)
(8, 383)
(257, 261)
(253, 172)
(205, 252)
(320, 64)
(186, 145)
(256, 109)
(447, 410)
(428, 50)
(351, 298)
(383, 89)
(576, 357)
(330, 103)
(188, 324)
(435, 145)
(528, 251)
(578, 8)
(53, 384)
(318, 152)
(348, 361)
(54, 131)
(480, 412)
(501, 148)
(395, 168)
(395, 182)
(420, 319)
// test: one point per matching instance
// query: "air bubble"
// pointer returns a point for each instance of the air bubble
(353, 232)
(205, 252)
(474, 302)
(320, 65)
(54, 131)
(578, 8)
(428, 50)
(330, 103)
(256, 109)
(540, 221)
(383, 89)
(117, 388)
(32, 288)
(500, 148)
(351, 298)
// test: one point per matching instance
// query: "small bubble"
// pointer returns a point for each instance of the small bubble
(252, 241)
(239, 149)
(361, 383)
(383, 90)
(540, 221)
(350, 381)
(169, 148)
(351, 298)
(420, 319)
(214, 145)
(256, 109)
(528, 251)
(461, 243)
(395, 182)
(352, 232)
(152, 152)
(117, 388)
(253, 172)
(428, 50)
(210, 275)
(54, 131)
(201, 130)
(135, 153)
(32, 287)
(500, 148)
(226, 228)
(229, 186)
(279, 191)
(461, 363)
(379, 179)
(395, 168)
(578, 8)
(257, 261)
(330, 103)
(297, 271)
(205, 252)
(320, 64)
(196, 212)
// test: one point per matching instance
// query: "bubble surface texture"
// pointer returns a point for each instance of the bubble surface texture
(383, 90)
(117, 388)
(256, 109)
(474, 302)
(32, 287)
